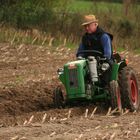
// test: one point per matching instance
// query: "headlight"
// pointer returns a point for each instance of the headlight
(105, 66)
(60, 71)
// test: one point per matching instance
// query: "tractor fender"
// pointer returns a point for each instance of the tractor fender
(116, 67)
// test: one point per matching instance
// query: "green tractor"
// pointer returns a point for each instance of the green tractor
(83, 81)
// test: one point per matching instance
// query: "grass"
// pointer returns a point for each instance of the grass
(120, 49)
(137, 51)
(80, 6)
(72, 45)
(96, 7)
(109, 15)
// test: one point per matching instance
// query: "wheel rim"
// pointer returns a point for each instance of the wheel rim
(134, 92)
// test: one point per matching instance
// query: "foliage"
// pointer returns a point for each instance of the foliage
(63, 18)
(24, 14)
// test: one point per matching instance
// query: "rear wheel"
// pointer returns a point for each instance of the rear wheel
(129, 89)
(115, 95)
(58, 98)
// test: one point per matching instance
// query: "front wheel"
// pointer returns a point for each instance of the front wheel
(129, 89)
(58, 98)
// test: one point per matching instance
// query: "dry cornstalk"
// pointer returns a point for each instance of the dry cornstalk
(62, 49)
(23, 138)
(114, 125)
(44, 41)
(69, 114)
(68, 49)
(68, 131)
(4, 48)
(105, 137)
(109, 110)
(52, 118)
(137, 130)
(50, 42)
(20, 49)
(97, 127)
(63, 119)
(132, 123)
(114, 111)
(15, 138)
(80, 136)
(92, 114)
(86, 113)
(126, 111)
(34, 40)
(44, 118)
(134, 112)
(112, 136)
(31, 119)
(52, 134)
(36, 125)
(12, 41)
(127, 134)
(25, 122)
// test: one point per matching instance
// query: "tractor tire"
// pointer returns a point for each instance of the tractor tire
(58, 98)
(115, 95)
(129, 89)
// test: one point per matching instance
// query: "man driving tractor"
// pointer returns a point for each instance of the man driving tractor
(96, 39)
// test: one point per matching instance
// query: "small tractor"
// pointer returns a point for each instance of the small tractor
(83, 81)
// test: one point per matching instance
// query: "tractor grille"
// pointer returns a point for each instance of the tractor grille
(73, 78)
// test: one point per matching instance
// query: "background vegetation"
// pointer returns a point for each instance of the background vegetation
(39, 21)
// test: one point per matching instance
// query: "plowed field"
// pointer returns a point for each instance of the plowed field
(27, 79)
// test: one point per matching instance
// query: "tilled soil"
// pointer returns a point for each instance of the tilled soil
(27, 79)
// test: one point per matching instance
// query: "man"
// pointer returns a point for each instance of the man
(95, 38)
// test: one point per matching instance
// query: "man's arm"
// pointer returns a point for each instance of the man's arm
(106, 42)
(81, 47)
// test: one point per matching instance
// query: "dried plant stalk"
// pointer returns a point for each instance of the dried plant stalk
(52, 134)
(25, 122)
(44, 118)
(31, 119)
(69, 114)
(34, 40)
(86, 113)
(109, 110)
(15, 138)
(50, 42)
(112, 136)
(92, 114)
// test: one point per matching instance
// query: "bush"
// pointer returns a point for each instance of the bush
(24, 14)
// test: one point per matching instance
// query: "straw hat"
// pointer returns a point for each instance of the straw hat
(89, 19)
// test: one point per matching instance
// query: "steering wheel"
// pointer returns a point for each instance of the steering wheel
(90, 53)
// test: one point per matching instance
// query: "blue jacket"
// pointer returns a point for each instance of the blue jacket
(105, 41)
